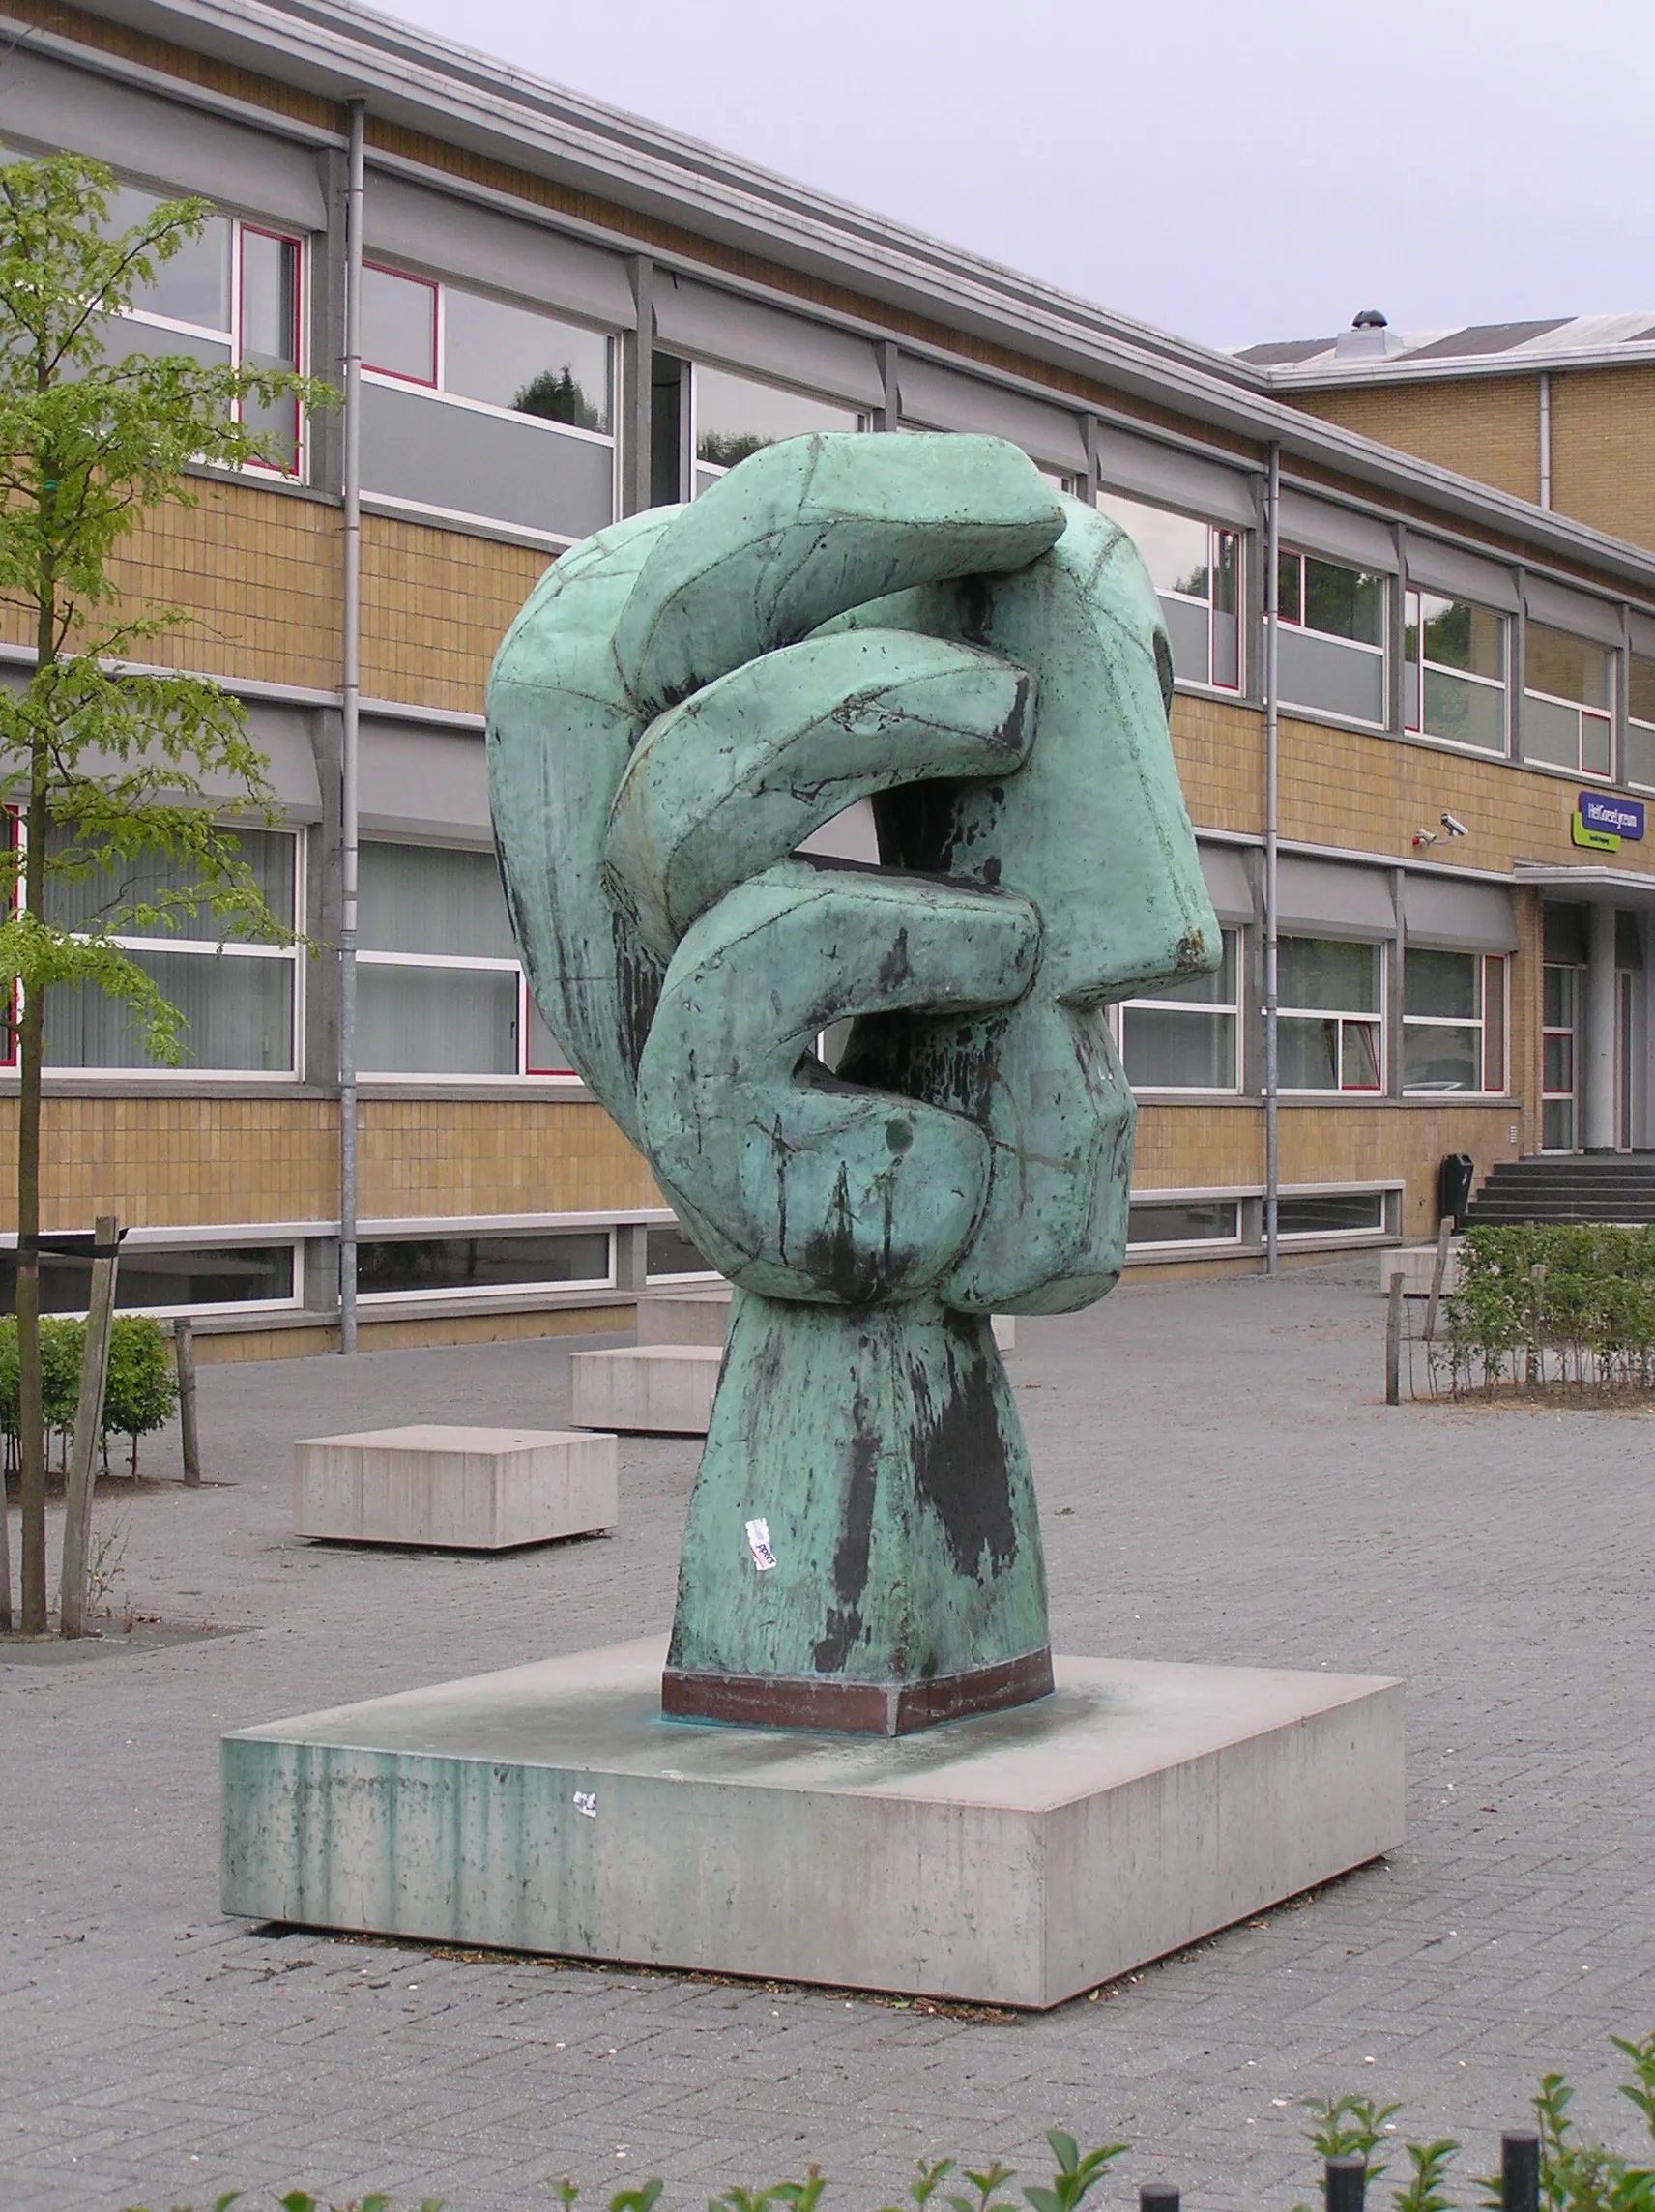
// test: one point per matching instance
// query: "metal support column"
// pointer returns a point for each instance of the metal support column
(1272, 1067)
(1601, 1024)
(350, 706)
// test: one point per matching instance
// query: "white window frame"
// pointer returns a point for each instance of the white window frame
(474, 963)
(435, 392)
(1379, 651)
(1211, 1011)
(1606, 716)
(1162, 1247)
(430, 1232)
(697, 466)
(1572, 1031)
(1216, 532)
(1307, 1240)
(1477, 1022)
(211, 948)
(232, 337)
(1413, 616)
(261, 1236)
(1374, 1019)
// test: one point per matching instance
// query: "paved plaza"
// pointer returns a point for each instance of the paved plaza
(1218, 1481)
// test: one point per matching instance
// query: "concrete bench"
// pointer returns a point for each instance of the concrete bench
(663, 1390)
(472, 1489)
(1416, 1264)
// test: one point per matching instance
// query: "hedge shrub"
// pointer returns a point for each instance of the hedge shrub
(139, 1395)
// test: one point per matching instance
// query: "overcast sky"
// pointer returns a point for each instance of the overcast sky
(1231, 169)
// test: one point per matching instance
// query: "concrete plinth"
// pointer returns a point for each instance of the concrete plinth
(1013, 1858)
(703, 1317)
(482, 1490)
(659, 1388)
(1416, 1264)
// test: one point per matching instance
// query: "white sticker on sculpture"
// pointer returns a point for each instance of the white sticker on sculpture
(586, 1801)
(758, 1544)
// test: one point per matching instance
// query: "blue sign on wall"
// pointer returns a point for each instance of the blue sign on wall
(1620, 817)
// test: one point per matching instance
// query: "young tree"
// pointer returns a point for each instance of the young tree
(116, 769)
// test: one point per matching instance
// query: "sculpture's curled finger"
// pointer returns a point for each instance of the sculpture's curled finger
(805, 530)
(793, 1183)
(737, 777)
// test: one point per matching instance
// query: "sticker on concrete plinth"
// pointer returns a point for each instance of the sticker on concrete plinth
(758, 1544)
(586, 1801)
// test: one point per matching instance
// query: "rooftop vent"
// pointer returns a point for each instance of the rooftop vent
(1369, 338)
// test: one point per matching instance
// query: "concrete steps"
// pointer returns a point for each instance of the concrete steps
(1567, 1189)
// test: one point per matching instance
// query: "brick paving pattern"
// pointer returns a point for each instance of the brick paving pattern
(1218, 1482)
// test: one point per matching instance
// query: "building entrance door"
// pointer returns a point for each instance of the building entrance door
(1559, 1085)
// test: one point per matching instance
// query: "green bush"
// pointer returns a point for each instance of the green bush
(142, 1390)
(138, 1396)
(1587, 1319)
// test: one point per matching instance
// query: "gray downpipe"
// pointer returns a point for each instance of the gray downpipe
(350, 714)
(1272, 1065)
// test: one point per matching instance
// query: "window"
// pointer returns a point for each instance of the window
(439, 990)
(1453, 1016)
(1182, 1036)
(239, 1000)
(1331, 645)
(1454, 672)
(1568, 701)
(522, 427)
(668, 1251)
(1560, 989)
(734, 416)
(1196, 569)
(1188, 1222)
(231, 295)
(1328, 1026)
(166, 1278)
(425, 1267)
(1330, 1213)
(1640, 722)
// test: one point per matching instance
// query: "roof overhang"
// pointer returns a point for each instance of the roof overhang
(1586, 886)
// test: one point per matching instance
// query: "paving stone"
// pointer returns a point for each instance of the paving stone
(1236, 1492)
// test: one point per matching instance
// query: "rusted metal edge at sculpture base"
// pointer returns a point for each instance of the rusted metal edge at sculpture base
(855, 1708)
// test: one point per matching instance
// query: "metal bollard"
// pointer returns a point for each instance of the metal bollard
(1347, 2182)
(1393, 1343)
(1157, 2197)
(1520, 2171)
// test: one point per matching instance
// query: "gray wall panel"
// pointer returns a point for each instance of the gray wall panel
(737, 332)
(422, 783)
(404, 223)
(943, 399)
(1318, 526)
(502, 468)
(1167, 477)
(1464, 918)
(1461, 575)
(160, 142)
(1229, 886)
(1576, 612)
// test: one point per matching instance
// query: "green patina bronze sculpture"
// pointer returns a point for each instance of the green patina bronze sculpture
(684, 698)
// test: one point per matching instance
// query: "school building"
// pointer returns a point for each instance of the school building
(1416, 764)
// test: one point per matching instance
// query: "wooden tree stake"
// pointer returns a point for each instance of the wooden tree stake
(88, 1423)
(183, 1353)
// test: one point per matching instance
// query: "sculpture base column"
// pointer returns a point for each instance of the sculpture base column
(862, 1551)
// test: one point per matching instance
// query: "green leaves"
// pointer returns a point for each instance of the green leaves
(1075, 2175)
(1576, 1303)
(1426, 2190)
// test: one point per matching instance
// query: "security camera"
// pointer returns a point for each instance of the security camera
(1454, 829)
(1423, 838)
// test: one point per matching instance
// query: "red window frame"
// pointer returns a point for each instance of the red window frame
(286, 238)
(429, 284)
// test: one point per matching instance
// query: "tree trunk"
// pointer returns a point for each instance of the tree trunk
(88, 1428)
(31, 1434)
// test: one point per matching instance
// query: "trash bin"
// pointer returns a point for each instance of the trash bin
(1454, 1180)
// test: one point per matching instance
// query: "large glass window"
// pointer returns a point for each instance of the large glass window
(1183, 1221)
(1182, 1036)
(1336, 1213)
(439, 990)
(1557, 1080)
(413, 1266)
(1331, 646)
(1568, 701)
(1329, 1034)
(734, 416)
(231, 295)
(1453, 1021)
(1640, 722)
(1196, 569)
(239, 1000)
(164, 1278)
(1454, 672)
(527, 434)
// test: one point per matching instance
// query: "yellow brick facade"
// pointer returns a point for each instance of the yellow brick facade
(1487, 427)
